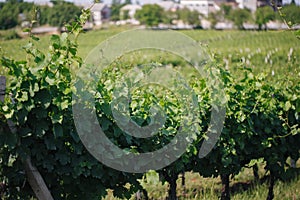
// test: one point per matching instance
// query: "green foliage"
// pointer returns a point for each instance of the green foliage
(297, 33)
(115, 11)
(42, 111)
(214, 18)
(240, 16)
(150, 14)
(43, 13)
(221, 15)
(9, 15)
(237, 16)
(261, 122)
(125, 15)
(291, 13)
(14, 1)
(169, 17)
(263, 15)
(226, 9)
(255, 127)
(62, 13)
(188, 16)
(127, 2)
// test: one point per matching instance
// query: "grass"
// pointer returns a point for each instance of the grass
(222, 42)
(243, 187)
(87, 41)
(275, 52)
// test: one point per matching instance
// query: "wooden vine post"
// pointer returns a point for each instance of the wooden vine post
(34, 177)
(2, 88)
(225, 193)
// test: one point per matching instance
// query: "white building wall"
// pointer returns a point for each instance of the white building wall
(202, 6)
(250, 4)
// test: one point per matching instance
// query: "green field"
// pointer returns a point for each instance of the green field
(277, 53)
(243, 187)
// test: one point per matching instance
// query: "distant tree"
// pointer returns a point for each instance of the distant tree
(43, 14)
(116, 2)
(194, 18)
(115, 10)
(14, 1)
(125, 15)
(56, 2)
(263, 15)
(10, 10)
(291, 14)
(213, 18)
(188, 16)
(150, 15)
(220, 16)
(169, 16)
(25, 7)
(226, 9)
(62, 13)
(8, 16)
(239, 16)
(128, 2)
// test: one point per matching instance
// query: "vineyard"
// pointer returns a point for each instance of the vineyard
(260, 77)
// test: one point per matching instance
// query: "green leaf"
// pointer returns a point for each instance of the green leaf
(24, 97)
(64, 36)
(73, 51)
(105, 123)
(250, 76)
(63, 158)
(28, 46)
(50, 143)
(75, 136)
(5, 108)
(55, 39)
(22, 116)
(35, 38)
(39, 57)
(64, 104)
(152, 177)
(258, 84)
(287, 106)
(25, 132)
(297, 33)
(26, 30)
(41, 127)
(9, 115)
(57, 130)
(268, 130)
(50, 80)
(43, 97)
(8, 139)
(57, 118)
(40, 112)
